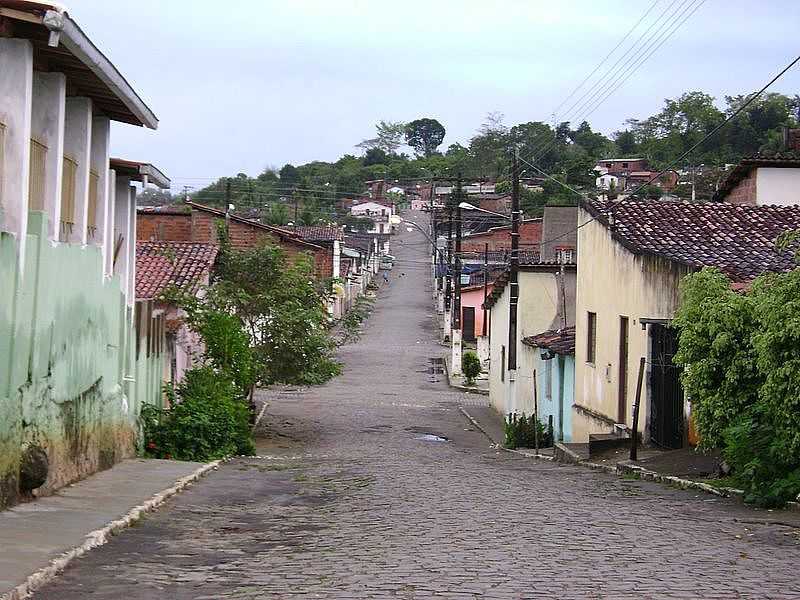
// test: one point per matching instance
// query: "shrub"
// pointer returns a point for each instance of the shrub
(470, 366)
(521, 432)
(208, 419)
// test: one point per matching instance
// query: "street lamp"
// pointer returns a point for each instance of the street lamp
(468, 206)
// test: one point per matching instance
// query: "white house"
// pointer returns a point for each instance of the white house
(378, 213)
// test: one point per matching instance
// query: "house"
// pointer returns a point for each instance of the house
(499, 238)
(554, 363)
(79, 355)
(186, 267)
(766, 178)
(630, 173)
(199, 223)
(546, 302)
(378, 213)
(632, 256)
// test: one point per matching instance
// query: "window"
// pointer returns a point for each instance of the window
(91, 217)
(70, 171)
(591, 337)
(502, 363)
(624, 165)
(565, 255)
(2, 158)
(36, 176)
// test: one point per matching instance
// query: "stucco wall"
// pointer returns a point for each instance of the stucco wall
(538, 311)
(548, 403)
(65, 335)
(778, 186)
(613, 282)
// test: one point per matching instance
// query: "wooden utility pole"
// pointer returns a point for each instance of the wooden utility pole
(635, 427)
(227, 204)
(449, 273)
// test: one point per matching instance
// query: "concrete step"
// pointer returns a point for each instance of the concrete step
(568, 452)
(600, 442)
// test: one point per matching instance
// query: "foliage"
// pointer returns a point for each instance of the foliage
(470, 366)
(388, 137)
(424, 136)
(281, 309)
(523, 432)
(741, 354)
(355, 317)
(208, 419)
(357, 224)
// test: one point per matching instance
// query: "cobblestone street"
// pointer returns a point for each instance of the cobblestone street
(345, 502)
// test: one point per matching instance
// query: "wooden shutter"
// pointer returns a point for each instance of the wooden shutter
(36, 179)
(591, 338)
(70, 172)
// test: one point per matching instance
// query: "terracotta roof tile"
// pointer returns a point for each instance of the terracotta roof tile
(160, 264)
(560, 341)
(326, 233)
(739, 240)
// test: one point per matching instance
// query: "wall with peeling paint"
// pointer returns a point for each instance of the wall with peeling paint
(70, 378)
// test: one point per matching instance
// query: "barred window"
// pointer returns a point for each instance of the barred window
(36, 176)
(591, 337)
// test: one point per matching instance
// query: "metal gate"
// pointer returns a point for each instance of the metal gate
(468, 325)
(666, 391)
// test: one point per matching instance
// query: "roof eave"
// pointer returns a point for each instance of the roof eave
(73, 39)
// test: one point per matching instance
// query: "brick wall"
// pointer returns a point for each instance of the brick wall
(530, 234)
(745, 191)
(200, 226)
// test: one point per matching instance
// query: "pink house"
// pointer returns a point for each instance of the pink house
(472, 298)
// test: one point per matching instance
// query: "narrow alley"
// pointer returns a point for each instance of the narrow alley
(346, 501)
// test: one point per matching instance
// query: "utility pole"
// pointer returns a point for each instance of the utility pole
(485, 284)
(227, 204)
(449, 273)
(513, 284)
(455, 335)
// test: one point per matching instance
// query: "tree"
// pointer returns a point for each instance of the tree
(424, 136)
(389, 137)
(289, 175)
(626, 143)
(375, 156)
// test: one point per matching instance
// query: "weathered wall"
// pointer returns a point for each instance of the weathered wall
(613, 282)
(550, 390)
(538, 311)
(744, 192)
(65, 333)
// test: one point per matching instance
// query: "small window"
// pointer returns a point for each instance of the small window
(548, 380)
(502, 363)
(624, 165)
(70, 171)
(91, 217)
(591, 337)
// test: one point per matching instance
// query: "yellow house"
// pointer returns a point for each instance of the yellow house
(631, 258)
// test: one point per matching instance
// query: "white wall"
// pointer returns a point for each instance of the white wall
(47, 127)
(77, 146)
(98, 162)
(16, 90)
(777, 186)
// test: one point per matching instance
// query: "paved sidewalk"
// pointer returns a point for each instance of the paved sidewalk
(39, 537)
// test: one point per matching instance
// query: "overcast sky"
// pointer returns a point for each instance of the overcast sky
(243, 84)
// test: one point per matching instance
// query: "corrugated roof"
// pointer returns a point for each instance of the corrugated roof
(739, 240)
(161, 264)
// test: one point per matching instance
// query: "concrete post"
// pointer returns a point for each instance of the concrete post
(47, 128)
(483, 350)
(440, 302)
(447, 326)
(16, 90)
(77, 147)
(98, 163)
(337, 258)
(455, 364)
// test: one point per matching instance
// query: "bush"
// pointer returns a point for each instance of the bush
(208, 419)
(521, 432)
(470, 366)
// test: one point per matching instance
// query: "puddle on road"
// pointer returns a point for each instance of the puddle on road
(429, 437)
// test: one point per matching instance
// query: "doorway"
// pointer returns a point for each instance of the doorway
(623, 370)
(666, 391)
(468, 324)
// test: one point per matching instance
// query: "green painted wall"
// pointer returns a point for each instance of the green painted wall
(66, 336)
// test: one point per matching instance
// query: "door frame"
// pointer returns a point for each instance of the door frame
(622, 379)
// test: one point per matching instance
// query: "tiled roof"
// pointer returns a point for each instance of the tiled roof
(316, 233)
(739, 240)
(526, 257)
(160, 264)
(786, 159)
(560, 341)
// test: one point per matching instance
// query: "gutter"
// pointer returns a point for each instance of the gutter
(66, 32)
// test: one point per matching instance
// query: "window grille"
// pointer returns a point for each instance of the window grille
(36, 179)
(91, 218)
(69, 174)
(591, 337)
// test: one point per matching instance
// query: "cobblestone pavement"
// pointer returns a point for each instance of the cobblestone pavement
(345, 502)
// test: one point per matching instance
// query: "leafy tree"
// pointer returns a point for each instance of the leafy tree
(626, 143)
(376, 156)
(278, 214)
(289, 175)
(389, 137)
(424, 136)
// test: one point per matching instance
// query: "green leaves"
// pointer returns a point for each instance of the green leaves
(741, 354)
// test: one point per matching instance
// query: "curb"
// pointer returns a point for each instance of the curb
(463, 388)
(101, 536)
(480, 428)
(621, 469)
